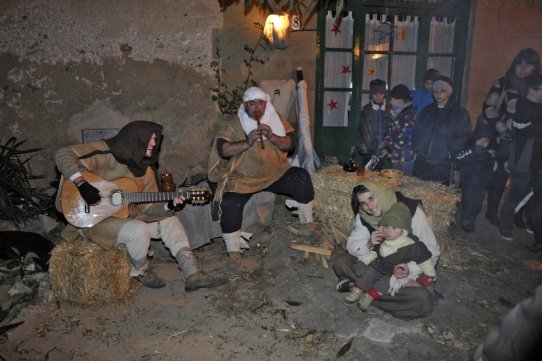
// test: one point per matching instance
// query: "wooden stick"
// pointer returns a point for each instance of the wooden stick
(258, 115)
(311, 249)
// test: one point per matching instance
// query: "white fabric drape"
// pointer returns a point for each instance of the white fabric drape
(441, 35)
(405, 38)
(339, 35)
(336, 105)
(338, 69)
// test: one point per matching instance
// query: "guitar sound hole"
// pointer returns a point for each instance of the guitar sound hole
(116, 198)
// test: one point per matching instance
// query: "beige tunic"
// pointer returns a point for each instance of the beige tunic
(250, 171)
(106, 166)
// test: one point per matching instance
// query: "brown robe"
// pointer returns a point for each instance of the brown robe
(250, 171)
(104, 164)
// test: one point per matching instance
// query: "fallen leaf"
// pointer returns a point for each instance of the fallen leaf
(344, 349)
(293, 303)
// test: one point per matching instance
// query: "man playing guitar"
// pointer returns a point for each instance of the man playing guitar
(130, 156)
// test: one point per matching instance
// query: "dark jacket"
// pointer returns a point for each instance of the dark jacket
(369, 127)
(528, 116)
(477, 163)
(441, 133)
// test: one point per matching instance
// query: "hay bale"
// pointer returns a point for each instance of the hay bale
(333, 189)
(85, 273)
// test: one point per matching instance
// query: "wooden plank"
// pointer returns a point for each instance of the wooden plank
(311, 249)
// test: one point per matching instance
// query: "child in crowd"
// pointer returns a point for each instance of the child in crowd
(476, 163)
(399, 137)
(423, 95)
(373, 123)
(398, 247)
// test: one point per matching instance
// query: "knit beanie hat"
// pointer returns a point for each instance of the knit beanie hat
(483, 130)
(431, 74)
(398, 216)
(401, 91)
(443, 83)
(377, 86)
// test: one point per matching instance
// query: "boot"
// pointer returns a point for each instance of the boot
(201, 280)
(354, 295)
(142, 273)
(519, 222)
(232, 241)
(364, 302)
(186, 262)
(492, 217)
(150, 279)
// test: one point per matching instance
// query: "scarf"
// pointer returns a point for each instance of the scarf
(386, 198)
(397, 283)
(129, 146)
(269, 117)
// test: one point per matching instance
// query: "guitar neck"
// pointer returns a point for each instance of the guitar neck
(145, 197)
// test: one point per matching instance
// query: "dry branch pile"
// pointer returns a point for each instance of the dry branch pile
(84, 273)
(333, 189)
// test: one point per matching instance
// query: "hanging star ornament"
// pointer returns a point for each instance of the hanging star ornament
(336, 29)
(402, 34)
(371, 71)
(332, 104)
(346, 70)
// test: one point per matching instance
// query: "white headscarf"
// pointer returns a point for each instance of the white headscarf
(269, 117)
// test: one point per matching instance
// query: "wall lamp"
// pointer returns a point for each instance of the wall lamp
(275, 30)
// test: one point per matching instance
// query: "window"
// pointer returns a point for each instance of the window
(391, 40)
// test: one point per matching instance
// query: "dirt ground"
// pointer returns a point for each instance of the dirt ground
(286, 309)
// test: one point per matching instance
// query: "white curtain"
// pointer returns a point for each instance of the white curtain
(339, 35)
(338, 69)
(336, 106)
(405, 33)
(441, 41)
(441, 35)
(405, 38)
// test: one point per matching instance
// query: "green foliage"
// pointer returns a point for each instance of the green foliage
(229, 98)
(21, 265)
(19, 201)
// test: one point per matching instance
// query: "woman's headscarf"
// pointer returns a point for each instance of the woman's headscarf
(386, 198)
(129, 146)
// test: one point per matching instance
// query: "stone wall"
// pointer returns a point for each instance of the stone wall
(70, 65)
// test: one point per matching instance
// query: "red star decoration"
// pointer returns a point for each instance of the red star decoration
(336, 29)
(346, 70)
(332, 104)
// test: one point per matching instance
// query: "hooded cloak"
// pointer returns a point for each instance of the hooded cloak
(129, 146)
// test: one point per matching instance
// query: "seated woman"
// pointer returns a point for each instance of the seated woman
(369, 202)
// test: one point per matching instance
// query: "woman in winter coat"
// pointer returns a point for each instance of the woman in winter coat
(440, 133)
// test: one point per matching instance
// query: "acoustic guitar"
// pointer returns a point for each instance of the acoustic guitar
(117, 195)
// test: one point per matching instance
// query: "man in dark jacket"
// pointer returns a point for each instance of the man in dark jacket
(476, 163)
(440, 133)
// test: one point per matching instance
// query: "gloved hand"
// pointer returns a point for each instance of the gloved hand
(90, 194)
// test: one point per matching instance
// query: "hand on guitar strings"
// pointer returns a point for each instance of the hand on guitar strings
(90, 194)
(176, 203)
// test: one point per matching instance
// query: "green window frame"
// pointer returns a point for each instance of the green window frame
(334, 135)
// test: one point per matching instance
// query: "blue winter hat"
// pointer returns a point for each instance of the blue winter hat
(377, 86)
(483, 130)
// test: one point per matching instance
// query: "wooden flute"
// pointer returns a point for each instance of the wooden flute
(258, 115)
